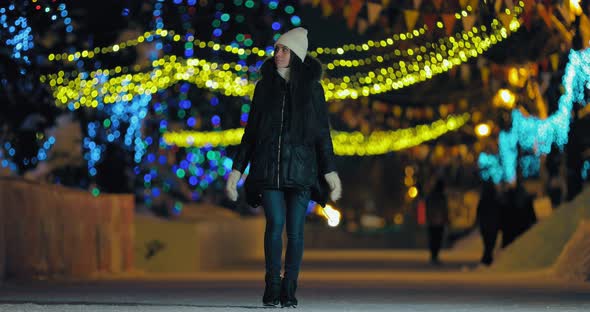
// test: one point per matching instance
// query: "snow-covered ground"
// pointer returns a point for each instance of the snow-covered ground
(540, 248)
(544, 270)
(340, 280)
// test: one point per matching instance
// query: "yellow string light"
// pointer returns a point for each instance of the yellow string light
(346, 62)
(454, 44)
(89, 54)
(420, 53)
(83, 91)
(382, 142)
(261, 52)
(345, 143)
(136, 68)
(387, 79)
(421, 59)
(372, 44)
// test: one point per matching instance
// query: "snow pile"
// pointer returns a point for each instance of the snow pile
(540, 247)
(574, 261)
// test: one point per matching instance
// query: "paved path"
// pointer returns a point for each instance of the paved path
(330, 281)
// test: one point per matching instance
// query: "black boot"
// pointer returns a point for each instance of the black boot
(272, 291)
(288, 288)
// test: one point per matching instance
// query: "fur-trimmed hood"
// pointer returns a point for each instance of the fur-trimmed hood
(312, 68)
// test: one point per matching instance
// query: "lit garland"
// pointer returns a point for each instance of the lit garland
(19, 35)
(530, 165)
(440, 48)
(345, 143)
(387, 79)
(7, 163)
(146, 37)
(372, 44)
(202, 167)
(121, 113)
(188, 39)
(419, 54)
(7, 152)
(21, 39)
(42, 153)
(261, 52)
(538, 135)
(382, 142)
(465, 45)
(239, 67)
(11, 151)
(82, 91)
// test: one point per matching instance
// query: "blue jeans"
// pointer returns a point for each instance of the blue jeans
(281, 205)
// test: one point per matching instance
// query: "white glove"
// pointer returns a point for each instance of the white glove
(335, 185)
(231, 187)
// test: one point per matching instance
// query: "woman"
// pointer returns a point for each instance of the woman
(287, 142)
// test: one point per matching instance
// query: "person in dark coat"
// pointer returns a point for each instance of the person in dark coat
(518, 213)
(288, 145)
(488, 218)
(437, 216)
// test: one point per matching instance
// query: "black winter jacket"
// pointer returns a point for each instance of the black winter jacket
(278, 157)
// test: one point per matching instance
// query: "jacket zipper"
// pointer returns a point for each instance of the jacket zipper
(280, 138)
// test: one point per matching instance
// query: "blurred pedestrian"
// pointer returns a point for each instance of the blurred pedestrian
(287, 142)
(437, 216)
(488, 218)
(518, 212)
(554, 186)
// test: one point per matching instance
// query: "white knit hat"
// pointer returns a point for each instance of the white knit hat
(296, 40)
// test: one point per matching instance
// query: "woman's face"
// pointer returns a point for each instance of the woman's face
(282, 56)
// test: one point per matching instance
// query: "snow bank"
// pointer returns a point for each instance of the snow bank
(540, 247)
(574, 261)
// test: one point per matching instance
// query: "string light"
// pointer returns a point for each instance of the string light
(7, 163)
(19, 34)
(84, 91)
(345, 143)
(260, 52)
(424, 64)
(396, 53)
(42, 153)
(218, 77)
(387, 79)
(537, 135)
(440, 48)
(21, 38)
(7, 152)
(382, 142)
(146, 37)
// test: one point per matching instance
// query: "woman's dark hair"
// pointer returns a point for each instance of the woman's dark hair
(300, 121)
(296, 71)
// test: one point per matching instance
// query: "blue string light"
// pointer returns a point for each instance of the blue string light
(42, 153)
(537, 135)
(18, 34)
(7, 162)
